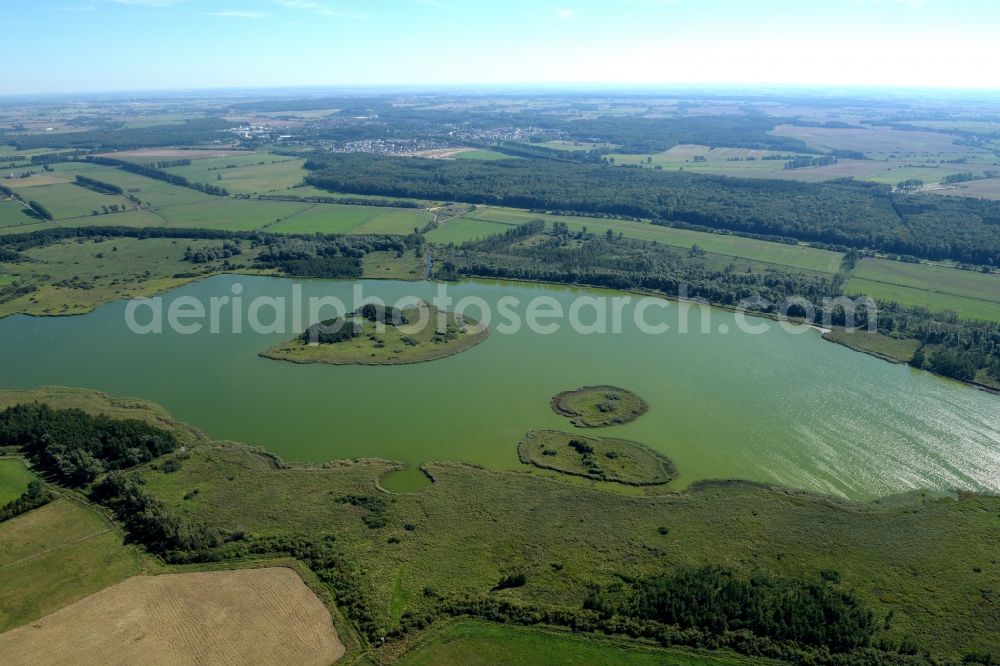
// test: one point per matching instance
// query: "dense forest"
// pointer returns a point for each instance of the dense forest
(199, 130)
(862, 215)
(74, 447)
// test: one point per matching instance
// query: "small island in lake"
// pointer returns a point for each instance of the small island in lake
(599, 406)
(380, 335)
(598, 458)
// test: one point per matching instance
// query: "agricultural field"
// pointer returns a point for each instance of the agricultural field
(155, 193)
(55, 555)
(247, 616)
(349, 219)
(471, 642)
(794, 256)
(13, 214)
(253, 173)
(62, 198)
(969, 294)
(229, 214)
(462, 229)
(982, 189)
(481, 155)
(575, 145)
(875, 141)
(14, 479)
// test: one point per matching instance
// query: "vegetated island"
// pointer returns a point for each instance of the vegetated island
(598, 458)
(599, 406)
(381, 335)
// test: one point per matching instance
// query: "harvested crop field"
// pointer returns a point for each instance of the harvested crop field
(250, 616)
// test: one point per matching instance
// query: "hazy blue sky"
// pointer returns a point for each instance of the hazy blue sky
(78, 45)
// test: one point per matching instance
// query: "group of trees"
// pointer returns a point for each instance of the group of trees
(98, 186)
(225, 251)
(717, 600)
(40, 210)
(35, 496)
(74, 447)
(148, 520)
(849, 213)
(331, 331)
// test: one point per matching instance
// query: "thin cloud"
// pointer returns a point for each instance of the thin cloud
(564, 14)
(319, 8)
(148, 3)
(236, 13)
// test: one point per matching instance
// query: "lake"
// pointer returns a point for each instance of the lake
(778, 407)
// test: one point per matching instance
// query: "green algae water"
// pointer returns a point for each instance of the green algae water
(778, 407)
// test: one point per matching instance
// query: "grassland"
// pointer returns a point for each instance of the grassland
(254, 173)
(969, 294)
(795, 256)
(417, 342)
(929, 561)
(12, 213)
(350, 219)
(461, 229)
(55, 555)
(64, 199)
(249, 616)
(597, 458)
(469, 642)
(14, 478)
(388, 266)
(74, 277)
(894, 350)
(599, 406)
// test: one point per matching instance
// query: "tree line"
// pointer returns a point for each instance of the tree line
(845, 212)
(157, 174)
(98, 185)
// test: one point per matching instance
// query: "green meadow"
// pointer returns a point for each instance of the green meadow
(351, 219)
(66, 200)
(55, 555)
(14, 478)
(461, 229)
(471, 642)
(256, 173)
(795, 256)
(969, 294)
